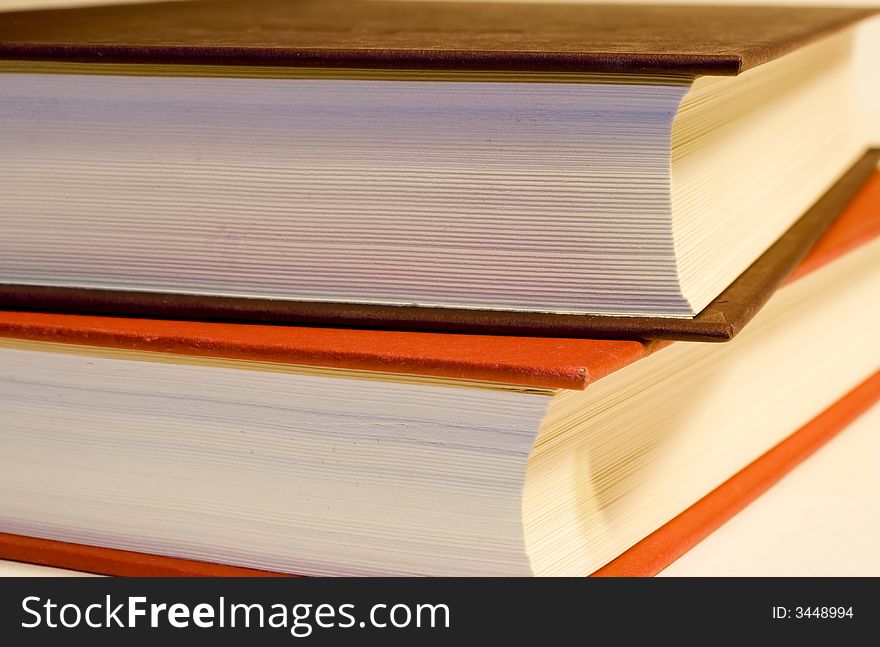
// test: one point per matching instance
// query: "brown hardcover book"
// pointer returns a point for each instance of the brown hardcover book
(572, 170)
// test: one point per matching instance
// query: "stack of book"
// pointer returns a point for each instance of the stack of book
(369, 288)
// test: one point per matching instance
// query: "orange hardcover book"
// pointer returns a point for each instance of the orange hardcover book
(645, 559)
(629, 382)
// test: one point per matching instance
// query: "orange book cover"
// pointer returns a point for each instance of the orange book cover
(543, 362)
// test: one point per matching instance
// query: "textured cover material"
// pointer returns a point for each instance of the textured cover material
(662, 547)
(526, 361)
(423, 35)
(110, 561)
(721, 320)
(646, 558)
(859, 222)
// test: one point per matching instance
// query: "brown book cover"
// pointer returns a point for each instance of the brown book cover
(423, 35)
(721, 320)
